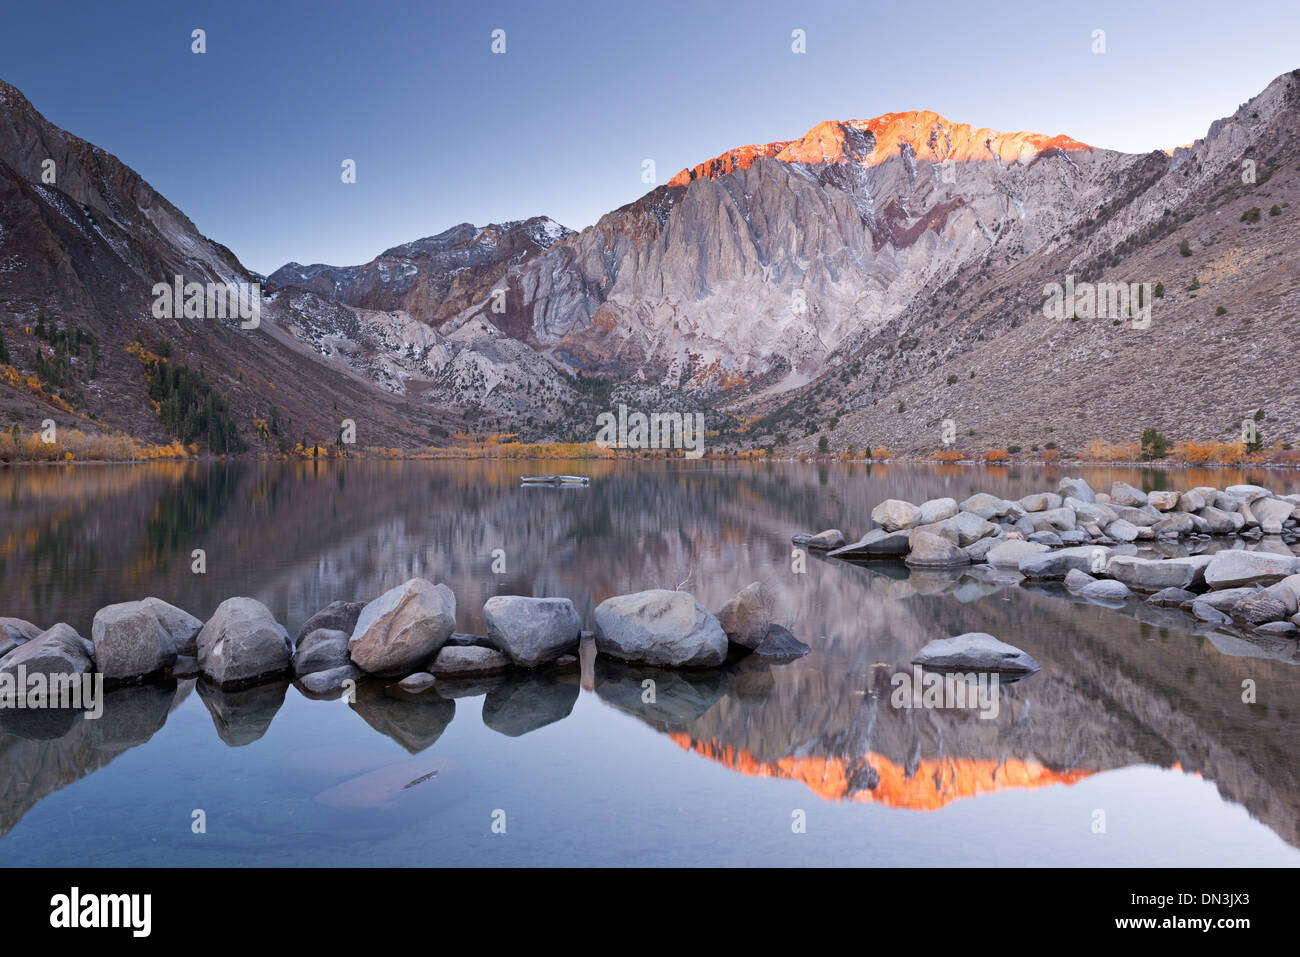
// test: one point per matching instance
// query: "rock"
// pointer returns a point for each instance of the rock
(1292, 584)
(974, 651)
(185, 666)
(1094, 512)
(1106, 591)
(970, 528)
(1174, 525)
(461, 640)
(1153, 574)
(243, 643)
(1278, 629)
(1122, 531)
(1076, 488)
(1191, 501)
(1272, 513)
(1008, 554)
(825, 541)
(180, 625)
(130, 642)
(1121, 493)
(874, 544)
(778, 644)
(931, 551)
(1076, 537)
(894, 514)
(1075, 579)
(1219, 522)
(1049, 539)
(1223, 600)
(978, 551)
(14, 632)
(1171, 597)
(1205, 612)
(746, 616)
(936, 510)
(985, 506)
(336, 616)
(1057, 564)
(660, 627)
(1062, 519)
(403, 627)
(58, 650)
(1143, 517)
(327, 682)
(1162, 501)
(1260, 607)
(321, 650)
(463, 662)
(1040, 502)
(1228, 569)
(1248, 493)
(518, 707)
(532, 631)
(418, 682)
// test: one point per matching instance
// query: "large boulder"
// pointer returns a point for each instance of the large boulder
(936, 510)
(970, 528)
(746, 616)
(1162, 501)
(894, 514)
(1272, 513)
(1219, 522)
(975, 651)
(130, 642)
(1008, 554)
(874, 544)
(532, 631)
(336, 616)
(14, 632)
(1040, 501)
(1056, 564)
(1174, 525)
(1248, 493)
(58, 650)
(1076, 488)
(1105, 591)
(1154, 574)
(1122, 531)
(823, 541)
(183, 627)
(931, 551)
(401, 628)
(1061, 518)
(659, 627)
(1233, 568)
(242, 643)
(986, 506)
(1121, 493)
(321, 650)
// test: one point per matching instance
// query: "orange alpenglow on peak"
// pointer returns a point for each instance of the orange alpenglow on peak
(935, 784)
(925, 133)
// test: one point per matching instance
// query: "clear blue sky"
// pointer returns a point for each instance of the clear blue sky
(248, 139)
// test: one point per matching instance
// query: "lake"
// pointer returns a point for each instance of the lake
(1132, 745)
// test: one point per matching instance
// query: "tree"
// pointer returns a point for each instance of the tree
(1154, 445)
(4, 349)
(823, 445)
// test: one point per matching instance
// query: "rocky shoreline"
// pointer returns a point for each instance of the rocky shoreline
(405, 636)
(1224, 556)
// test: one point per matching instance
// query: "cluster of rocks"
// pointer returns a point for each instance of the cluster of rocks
(1223, 554)
(407, 633)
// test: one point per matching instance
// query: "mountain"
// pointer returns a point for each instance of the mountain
(866, 283)
(83, 241)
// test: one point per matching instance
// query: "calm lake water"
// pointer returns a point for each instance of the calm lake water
(1136, 719)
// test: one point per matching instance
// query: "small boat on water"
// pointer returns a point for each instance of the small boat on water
(555, 480)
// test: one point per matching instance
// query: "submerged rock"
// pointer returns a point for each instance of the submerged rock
(778, 644)
(875, 543)
(469, 661)
(745, 617)
(1229, 569)
(331, 681)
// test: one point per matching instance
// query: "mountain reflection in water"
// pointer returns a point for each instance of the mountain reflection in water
(1119, 687)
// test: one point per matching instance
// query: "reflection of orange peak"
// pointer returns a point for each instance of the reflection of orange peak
(926, 134)
(936, 783)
